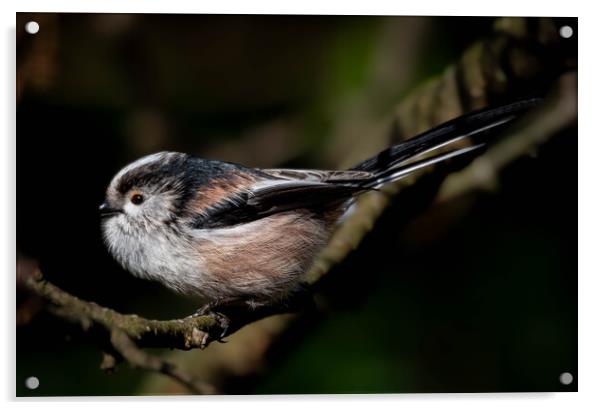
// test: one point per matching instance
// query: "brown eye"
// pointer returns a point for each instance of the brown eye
(137, 199)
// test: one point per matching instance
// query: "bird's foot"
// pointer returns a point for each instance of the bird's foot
(223, 322)
(231, 313)
(210, 309)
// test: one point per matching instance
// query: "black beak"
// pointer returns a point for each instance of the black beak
(106, 211)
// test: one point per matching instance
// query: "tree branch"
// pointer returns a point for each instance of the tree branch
(185, 334)
(142, 360)
(125, 333)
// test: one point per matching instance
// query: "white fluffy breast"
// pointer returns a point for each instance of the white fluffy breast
(162, 256)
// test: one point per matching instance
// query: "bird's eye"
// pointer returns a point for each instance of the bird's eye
(137, 199)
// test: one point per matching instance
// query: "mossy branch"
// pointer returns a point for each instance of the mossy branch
(186, 334)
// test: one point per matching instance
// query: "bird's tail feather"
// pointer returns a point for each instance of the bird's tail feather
(389, 165)
(399, 172)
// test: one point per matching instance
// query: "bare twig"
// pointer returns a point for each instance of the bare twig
(125, 332)
(142, 360)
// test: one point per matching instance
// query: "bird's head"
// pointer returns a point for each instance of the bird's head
(147, 193)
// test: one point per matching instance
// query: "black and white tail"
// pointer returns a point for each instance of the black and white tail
(396, 162)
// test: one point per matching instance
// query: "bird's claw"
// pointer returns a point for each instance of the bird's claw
(222, 320)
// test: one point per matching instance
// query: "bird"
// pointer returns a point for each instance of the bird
(228, 233)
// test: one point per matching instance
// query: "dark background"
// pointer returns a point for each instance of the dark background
(484, 303)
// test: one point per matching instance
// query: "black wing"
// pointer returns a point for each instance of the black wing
(271, 196)
(284, 190)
